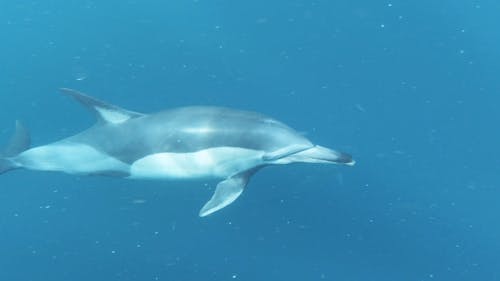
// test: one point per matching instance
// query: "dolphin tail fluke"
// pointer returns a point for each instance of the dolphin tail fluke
(6, 165)
(18, 143)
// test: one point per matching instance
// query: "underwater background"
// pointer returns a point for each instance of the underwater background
(409, 88)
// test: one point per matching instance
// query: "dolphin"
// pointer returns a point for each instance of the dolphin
(181, 143)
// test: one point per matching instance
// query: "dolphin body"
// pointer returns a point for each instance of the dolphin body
(181, 143)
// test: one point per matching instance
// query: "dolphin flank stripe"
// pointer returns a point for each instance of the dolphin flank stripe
(180, 143)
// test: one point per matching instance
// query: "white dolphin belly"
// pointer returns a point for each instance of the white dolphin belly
(218, 162)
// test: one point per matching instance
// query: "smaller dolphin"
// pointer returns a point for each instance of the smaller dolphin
(183, 143)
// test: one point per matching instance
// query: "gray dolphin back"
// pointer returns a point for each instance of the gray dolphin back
(189, 129)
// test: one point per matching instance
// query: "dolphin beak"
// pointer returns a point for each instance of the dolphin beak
(320, 154)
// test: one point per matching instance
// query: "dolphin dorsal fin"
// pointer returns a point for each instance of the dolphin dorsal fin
(105, 113)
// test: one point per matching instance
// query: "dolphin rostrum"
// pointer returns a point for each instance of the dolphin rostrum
(181, 143)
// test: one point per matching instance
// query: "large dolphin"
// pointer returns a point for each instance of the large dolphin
(182, 143)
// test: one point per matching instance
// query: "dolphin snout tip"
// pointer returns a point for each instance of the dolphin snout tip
(344, 158)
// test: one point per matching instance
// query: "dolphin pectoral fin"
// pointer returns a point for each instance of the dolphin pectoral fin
(105, 112)
(225, 193)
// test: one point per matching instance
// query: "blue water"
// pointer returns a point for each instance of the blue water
(410, 89)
